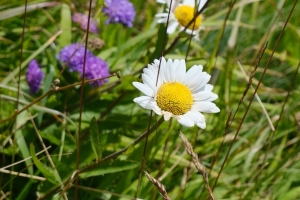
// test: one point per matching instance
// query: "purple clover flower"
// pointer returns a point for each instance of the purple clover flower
(34, 76)
(95, 67)
(82, 20)
(119, 11)
(76, 61)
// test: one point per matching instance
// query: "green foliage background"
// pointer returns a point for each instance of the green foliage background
(262, 164)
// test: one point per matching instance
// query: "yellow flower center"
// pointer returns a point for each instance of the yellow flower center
(175, 98)
(185, 14)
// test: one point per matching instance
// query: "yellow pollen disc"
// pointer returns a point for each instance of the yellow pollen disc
(185, 14)
(175, 98)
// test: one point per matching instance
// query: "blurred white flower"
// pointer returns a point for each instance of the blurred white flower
(181, 14)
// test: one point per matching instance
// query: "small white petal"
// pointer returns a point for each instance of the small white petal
(167, 115)
(205, 106)
(191, 74)
(201, 4)
(149, 81)
(195, 116)
(205, 96)
(150, 71)
(161, 1)
(169, 70)
(174, 4)
(162, 20)
(208, 87)
(172, 27)
(144, 101)
(185, 121)
(156, 109)
(194, 77)
(148, 103)
(201, 124)
(181, 71)
(189, 3)
(164, 71)
(146, 90)
(198, 81)
(163, 15)
(174, 70)
(195, 33)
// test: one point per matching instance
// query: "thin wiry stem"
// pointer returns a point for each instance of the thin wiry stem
(111, 156)
(53, 89)
(231, 119)
(81, 98)
(257, 98)
(21, 53)
(144, 158)
(150, 117)
(18, 82)
(253, 95)
(23, 175)
(270, 139)
(26, 107)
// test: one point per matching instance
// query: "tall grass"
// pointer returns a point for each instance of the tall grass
(74, 141)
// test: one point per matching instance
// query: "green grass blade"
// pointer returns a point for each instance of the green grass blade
(95, 140)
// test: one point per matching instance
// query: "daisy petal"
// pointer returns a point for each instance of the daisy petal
(149, 81)
(196, 79)
(201, 124)
(205, 106)
(195, 116)
(208, 87)
(174, 70)
(186, 121)
(162, 15)
(169, 70)
(148, 103)
(181, 71)
(201, 4)
(205, 96)
(146, 90)
(144, 101)
(162, 20)
(167, 115)
(172, 27)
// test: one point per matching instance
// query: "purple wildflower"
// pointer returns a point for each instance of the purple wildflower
(96, 68)
(119, 11)
(76, 61)
(82, 20)
(34, 76)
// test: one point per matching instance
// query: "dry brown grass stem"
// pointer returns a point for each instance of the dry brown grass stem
(159, 186)
(195, 160)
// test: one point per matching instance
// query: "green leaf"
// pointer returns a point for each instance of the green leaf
(47, 85)
(107, 168)
(66, 25)
(20, 121)
(129, 150)
(291, 194)
(94, 136)
(12, 12)
(49, 173)
(11, 75)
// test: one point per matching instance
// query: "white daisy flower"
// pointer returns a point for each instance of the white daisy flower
(177, 93)
(181, 14)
